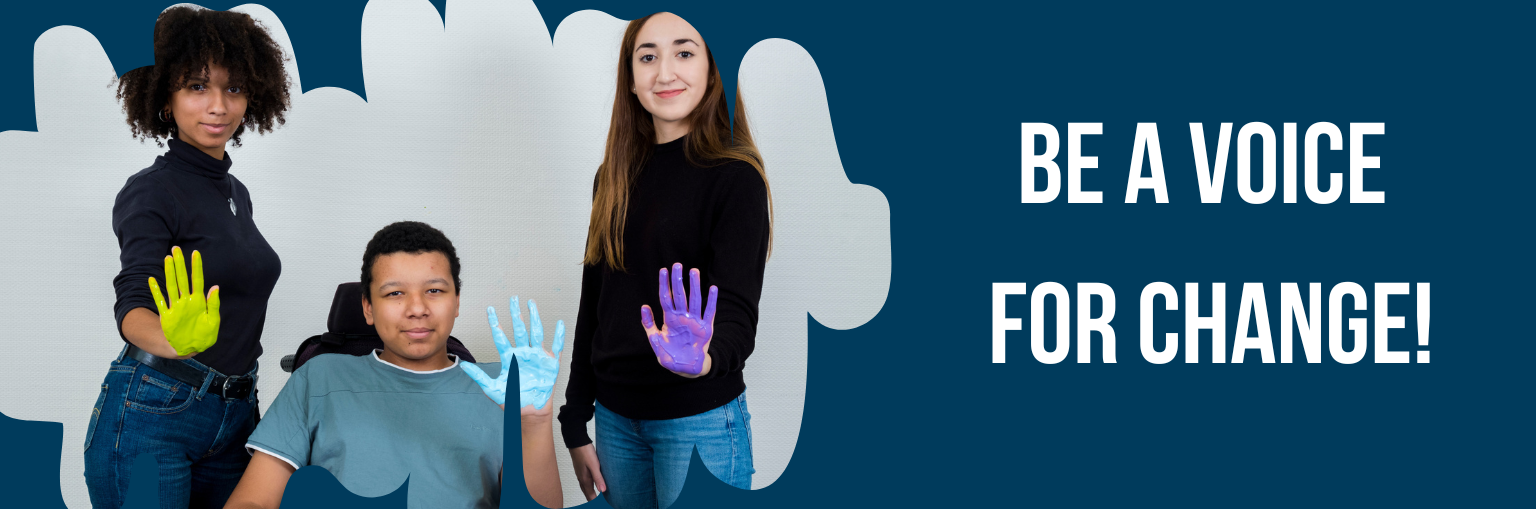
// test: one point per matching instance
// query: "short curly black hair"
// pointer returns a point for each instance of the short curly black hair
(408, 237)
(187, 39)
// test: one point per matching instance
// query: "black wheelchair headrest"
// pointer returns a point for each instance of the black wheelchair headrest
(347, 312)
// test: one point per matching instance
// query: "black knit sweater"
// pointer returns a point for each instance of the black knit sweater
(714, 219)
(189, 199)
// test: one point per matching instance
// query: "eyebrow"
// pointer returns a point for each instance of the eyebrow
(436, 280)
(674, 43)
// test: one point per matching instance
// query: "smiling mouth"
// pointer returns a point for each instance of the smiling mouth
(668, 94)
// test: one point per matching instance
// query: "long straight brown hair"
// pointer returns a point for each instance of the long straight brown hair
(712, 140)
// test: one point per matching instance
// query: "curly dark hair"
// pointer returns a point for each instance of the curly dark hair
(408, 237)
(187, 39)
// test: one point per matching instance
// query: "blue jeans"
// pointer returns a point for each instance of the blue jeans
(198, 438)
(645, 462)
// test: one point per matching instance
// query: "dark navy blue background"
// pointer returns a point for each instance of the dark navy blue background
(927, 100)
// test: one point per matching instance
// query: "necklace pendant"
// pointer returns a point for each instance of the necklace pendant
(232, 207)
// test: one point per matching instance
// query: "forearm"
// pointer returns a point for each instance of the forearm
(579, 394)
(142, 328)
(739, 250)
(540, 472)
(262, 485)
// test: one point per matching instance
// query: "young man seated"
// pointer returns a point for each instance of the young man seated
(410, 409)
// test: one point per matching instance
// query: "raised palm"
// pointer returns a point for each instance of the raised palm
(190, 322)
(682, 342)
(536, 369)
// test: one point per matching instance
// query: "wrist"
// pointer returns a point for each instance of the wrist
(157, 347)
(708, 364)
(141, 327)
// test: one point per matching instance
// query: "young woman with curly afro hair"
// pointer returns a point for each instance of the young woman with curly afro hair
(183, 388)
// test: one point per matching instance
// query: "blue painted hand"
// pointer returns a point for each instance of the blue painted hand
(536, 368)
(682, 343)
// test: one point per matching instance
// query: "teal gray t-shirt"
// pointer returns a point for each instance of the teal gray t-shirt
(371, 424)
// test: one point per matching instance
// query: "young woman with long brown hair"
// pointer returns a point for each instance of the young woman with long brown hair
(679, 186)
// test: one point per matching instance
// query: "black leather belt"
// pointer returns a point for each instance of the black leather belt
(228, 387)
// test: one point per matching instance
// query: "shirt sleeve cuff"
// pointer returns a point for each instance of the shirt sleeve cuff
(574, 434)
(251, 448)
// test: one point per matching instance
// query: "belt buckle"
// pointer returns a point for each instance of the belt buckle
(224, 390)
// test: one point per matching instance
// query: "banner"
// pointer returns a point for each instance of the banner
(1059, 254)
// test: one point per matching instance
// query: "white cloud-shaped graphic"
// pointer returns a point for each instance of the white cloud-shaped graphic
(478, 124)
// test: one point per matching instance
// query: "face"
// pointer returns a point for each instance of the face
(207, 110)
(671, 71)
(413, 305)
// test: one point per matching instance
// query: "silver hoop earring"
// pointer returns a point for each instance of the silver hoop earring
(161, 115)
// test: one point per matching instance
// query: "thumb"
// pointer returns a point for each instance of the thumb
(647, 320)
(486, 383)
(476, 374)
(213, 301)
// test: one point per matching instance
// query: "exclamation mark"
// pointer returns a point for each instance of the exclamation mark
(1423, 315)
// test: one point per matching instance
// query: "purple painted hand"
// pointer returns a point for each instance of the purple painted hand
(682, 342)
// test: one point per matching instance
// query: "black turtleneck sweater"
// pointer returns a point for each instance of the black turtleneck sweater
(711, 218)
(189, 199)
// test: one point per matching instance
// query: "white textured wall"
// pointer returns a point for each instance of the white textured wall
(476, 124)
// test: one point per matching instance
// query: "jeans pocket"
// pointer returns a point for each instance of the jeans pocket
(158, 394)
(90, 430)
(746, 427)
(746, 416)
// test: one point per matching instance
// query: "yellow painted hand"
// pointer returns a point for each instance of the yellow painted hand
(190, 322)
